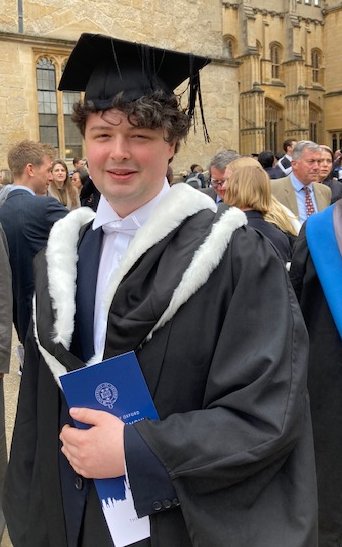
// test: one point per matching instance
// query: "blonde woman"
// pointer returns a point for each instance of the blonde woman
(248, 187)
(61, 187)
(283, 218)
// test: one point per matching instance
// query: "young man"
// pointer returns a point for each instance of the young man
(27, 217)
(284, 166)
(207, 306)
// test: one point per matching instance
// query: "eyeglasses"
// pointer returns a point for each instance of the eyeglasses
(217, 183)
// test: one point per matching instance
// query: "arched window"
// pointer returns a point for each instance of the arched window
(47, 101)
(55, 109)
(316, 65)
(275, 54)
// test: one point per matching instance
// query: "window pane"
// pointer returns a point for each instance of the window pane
(69, 98)
(73, 138)
(47, 102)
(315, 62)
(46, 75)
(48, 131)
(275, 61)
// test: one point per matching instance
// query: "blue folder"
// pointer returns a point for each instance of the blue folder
(115, 385)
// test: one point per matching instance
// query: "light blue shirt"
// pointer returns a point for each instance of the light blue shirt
(300, 197)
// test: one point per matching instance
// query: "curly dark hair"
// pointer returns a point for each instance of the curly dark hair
(157, 110)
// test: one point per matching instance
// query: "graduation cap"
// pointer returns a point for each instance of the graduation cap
(103, 66)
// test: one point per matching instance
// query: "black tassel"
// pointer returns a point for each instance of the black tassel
(194, 91)
(116, 59)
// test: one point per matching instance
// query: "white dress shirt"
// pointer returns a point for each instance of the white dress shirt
(118, 234)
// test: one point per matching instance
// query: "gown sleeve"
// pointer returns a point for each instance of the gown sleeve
(254, 402)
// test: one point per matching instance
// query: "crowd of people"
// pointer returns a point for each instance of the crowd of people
(225, 286)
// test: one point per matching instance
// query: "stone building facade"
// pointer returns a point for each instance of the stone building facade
(36, 37)
(289, 81)
(273, 75)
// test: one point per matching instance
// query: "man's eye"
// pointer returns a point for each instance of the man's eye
(139, 136)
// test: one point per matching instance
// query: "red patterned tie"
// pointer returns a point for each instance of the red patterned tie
(309, 206)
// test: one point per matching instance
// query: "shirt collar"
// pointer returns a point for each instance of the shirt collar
(297, 185)
(105, 214)
(20, 187)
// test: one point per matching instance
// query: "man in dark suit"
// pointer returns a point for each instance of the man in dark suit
(27, 217)
(160, 271)
(292, 191)
(216, 168)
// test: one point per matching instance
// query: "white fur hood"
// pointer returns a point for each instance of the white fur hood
(179, 203)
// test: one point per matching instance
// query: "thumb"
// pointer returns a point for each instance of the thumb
(86, 415)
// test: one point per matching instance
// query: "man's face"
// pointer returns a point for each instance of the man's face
(41, 175)
(217, 180)
(127, 164)
(307, 168)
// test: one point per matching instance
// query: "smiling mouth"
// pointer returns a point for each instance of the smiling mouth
(121, 173)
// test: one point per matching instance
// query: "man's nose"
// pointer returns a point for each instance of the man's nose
(120, 148)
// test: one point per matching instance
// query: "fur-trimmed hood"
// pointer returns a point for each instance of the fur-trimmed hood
(179, 203)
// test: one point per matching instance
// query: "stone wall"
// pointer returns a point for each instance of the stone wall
(200, 26)
(300, 101)
(184, 25)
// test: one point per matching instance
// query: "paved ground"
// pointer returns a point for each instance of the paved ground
(11, 383)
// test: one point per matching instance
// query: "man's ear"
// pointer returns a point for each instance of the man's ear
(174, 148)
(29, 168)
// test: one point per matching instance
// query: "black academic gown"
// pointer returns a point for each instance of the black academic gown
(325, 387)
(226, 366)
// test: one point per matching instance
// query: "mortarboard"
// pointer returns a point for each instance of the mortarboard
(103, 66)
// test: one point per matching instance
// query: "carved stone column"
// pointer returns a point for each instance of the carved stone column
(252, 120)
(297, 115)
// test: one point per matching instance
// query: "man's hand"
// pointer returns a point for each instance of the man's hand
(98, 452)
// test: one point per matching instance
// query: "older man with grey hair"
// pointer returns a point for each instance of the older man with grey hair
(216, 168)
(300, 191)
